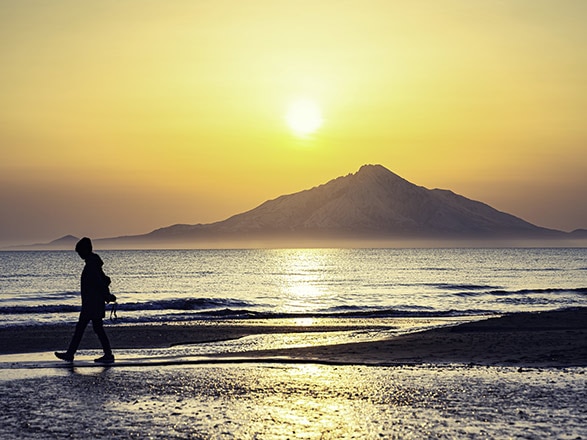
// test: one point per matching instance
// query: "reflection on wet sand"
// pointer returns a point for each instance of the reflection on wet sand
(521, 375)
(277, 401)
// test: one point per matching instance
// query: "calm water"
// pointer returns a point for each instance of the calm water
(43, 287)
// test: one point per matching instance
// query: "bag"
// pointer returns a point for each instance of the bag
(108, 297)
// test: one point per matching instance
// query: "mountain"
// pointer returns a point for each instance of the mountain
(579, 233)
(65, 242)
(372, 204)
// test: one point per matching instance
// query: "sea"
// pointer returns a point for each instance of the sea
(165, 286)
(279, 399)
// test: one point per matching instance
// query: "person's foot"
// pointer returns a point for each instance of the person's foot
(64, 356)
(106, 359)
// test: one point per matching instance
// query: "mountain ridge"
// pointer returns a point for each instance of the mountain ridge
(371, 204)
(65, 242)
(371, 207)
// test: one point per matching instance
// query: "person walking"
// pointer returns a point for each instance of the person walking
(95, 293)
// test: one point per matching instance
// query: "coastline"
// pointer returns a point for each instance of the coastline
(520, 375)
(539, 339)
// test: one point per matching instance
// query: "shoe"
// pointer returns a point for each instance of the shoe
(64, 356)
(106, 359)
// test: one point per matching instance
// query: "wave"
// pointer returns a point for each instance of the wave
(503, 292)
(186, 309)
(211, 308)
(50, 308)
(220, 307)
(187, 304)
(369, 313)
(450, 286)
(247, 314)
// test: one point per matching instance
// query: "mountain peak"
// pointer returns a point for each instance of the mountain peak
(373, 203)
(374, 170)
(378, 175)
(65, 240)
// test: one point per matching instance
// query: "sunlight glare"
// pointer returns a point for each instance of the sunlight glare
(303, 291)
(304, 116)
(304, 322)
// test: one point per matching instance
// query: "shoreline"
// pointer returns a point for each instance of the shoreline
(542, 339)
(539, 339)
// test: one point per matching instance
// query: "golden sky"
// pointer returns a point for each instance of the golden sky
(122, 116)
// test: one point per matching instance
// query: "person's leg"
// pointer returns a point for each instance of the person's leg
(98, 326)
(75, 340)
(80, 327)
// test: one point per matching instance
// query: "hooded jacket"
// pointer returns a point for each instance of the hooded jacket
(94, 287)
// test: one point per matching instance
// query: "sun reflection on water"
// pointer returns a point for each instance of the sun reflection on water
(304, 322)
(302, 282)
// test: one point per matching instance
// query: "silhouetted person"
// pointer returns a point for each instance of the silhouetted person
(95, 293)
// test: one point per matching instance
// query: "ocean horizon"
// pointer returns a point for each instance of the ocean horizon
(294, 343)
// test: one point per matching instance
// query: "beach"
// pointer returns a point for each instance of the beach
(518, 376)
(555, 338)
(527, 339)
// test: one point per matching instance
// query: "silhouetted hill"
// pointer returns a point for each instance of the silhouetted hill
(371, 204)
(375, 200)
(66, 242)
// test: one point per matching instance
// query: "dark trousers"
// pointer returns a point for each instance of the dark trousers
(98, 327)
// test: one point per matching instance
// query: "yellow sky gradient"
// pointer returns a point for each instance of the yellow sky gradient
(119, 117)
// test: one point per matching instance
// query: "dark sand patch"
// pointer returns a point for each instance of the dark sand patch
(555, 338)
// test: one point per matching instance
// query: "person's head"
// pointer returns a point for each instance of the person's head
(84, 247)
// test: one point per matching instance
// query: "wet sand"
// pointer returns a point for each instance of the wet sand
(485, 379)
(281, 401)
(554, 338)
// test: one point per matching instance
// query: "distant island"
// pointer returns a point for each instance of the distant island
(373, 207)
(65, 242)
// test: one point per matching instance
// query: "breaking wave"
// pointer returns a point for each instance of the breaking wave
(503, 292)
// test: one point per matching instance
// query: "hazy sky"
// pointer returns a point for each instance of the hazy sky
(119, 117)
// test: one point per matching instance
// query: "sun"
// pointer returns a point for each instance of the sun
(303, 116)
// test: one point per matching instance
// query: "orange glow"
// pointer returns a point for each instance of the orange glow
(176, 109)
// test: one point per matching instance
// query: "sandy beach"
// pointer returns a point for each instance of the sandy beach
(555, 338)
(516, 376)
